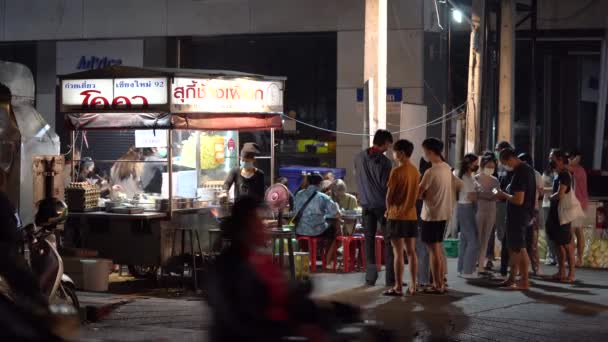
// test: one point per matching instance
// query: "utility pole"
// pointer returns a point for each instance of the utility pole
(507, 76)
(476, 51)
(374, 73)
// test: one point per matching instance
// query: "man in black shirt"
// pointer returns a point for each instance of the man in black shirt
(520, 196)
(504, 178)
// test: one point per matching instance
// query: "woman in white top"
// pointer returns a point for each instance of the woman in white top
(125, 174)
(468, 253)
(485, 182)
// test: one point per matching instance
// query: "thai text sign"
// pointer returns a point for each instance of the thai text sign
(119, 93)
(203, 95)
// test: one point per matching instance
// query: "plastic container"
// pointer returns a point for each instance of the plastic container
(294, 174)
(451, 247)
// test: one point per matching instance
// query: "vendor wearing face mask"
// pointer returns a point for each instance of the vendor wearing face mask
(247, 179)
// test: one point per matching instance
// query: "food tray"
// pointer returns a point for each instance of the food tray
(128, 210)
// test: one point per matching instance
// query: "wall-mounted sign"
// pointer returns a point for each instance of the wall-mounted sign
(81, 55)
(119, 93)
(189, 95)
(151, 138)
(94, 62)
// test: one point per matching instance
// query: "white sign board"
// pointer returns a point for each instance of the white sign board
(120, 93)
(189, 95)
(150, 138)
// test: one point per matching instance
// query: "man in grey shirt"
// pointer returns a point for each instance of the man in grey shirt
(372, 170)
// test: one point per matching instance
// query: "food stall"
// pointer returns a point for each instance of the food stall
(196, 116)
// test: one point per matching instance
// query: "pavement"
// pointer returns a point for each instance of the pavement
(472, 311)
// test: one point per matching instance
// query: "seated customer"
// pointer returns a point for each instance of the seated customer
(313, 209)
(345, 200)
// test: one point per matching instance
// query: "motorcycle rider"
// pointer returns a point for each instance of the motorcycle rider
(248, 294)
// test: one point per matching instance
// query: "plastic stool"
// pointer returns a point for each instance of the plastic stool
(192, 232)
(312, 243)
(349, 265)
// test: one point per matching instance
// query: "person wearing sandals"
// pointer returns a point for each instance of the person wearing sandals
(561, 234)
(402, 224)
(520, 196)
(436, 192)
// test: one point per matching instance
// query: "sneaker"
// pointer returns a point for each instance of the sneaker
(489, 265)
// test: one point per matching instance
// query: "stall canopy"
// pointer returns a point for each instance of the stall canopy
(120, 97)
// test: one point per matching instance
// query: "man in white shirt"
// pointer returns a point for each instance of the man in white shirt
(436, 191)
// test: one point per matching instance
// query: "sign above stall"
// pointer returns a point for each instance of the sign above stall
(224, 96)
(118, 93)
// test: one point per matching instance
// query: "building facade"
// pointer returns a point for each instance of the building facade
(60, 36)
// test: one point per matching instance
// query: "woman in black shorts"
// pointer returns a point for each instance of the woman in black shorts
(560, 234)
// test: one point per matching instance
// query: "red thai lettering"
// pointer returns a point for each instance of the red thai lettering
(121, 101)
(191, 90)
(219, 93)
(87, 95)
(201, 93)
(261, 93)
(100, 100)
(234, 93)
(178, 93)
(144, 101)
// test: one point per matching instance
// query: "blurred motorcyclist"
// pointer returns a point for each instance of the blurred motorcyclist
(248, 294)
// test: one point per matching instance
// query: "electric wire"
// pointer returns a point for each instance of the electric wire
(454, 113)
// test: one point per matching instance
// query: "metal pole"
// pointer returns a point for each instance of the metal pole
(533, 91)
(73, 147)
(170, 169)
(198, 159)
(272, 155)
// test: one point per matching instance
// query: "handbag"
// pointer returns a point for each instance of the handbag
(569, 208)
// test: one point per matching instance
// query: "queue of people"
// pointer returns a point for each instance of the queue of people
(497, 195)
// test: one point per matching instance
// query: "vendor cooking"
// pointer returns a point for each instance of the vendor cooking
(247, 179)
(86, 173)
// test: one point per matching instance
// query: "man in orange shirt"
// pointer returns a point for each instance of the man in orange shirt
(402, 224)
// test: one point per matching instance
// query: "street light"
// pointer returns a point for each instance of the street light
(457, 15)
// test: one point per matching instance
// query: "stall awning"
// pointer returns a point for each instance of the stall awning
(99, 121)
(125, 97)
(225, 122)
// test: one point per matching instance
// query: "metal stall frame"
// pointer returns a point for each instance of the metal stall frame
(90, 116)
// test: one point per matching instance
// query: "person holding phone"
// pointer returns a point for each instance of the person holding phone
(487, 189)
(520, 197)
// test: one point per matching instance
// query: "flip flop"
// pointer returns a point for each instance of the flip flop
(392, 293)
(434, 291)
(409, 293)
(517, 287)
(567, 280)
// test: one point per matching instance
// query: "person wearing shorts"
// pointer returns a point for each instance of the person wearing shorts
(437, 193)
(561, 234)
(402, 225)
(520, 196)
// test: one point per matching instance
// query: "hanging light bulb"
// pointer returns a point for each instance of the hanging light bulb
(457, 15)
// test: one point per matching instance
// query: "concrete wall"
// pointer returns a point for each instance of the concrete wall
(112, 19)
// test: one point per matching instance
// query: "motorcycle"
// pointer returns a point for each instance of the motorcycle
(40, 252)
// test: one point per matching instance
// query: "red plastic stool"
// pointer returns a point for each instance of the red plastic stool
(379, 250)
(311, 244)
(349, 265)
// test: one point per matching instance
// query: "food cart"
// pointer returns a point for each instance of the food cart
(197, 115)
